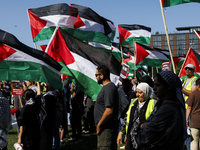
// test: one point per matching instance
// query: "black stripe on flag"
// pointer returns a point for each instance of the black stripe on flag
(56, 9)
(92, 54)
(134, 27)
(13, 42)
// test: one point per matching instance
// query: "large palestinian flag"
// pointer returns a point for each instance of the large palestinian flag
(20, 62)
(44, 20)
(139, 33)
(81, 22)
(80, 61)
(167, 3)
(146, 56)
(191, 58)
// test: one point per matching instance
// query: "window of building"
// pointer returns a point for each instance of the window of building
(157, 38)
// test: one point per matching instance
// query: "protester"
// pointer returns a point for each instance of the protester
(139, 110)
(147, 79)
(29, 135)
(47, 117)
(89, 115)
(5, 120)
(30, 85)
(194, 110)
(106, 111)
(188, 88)
(77, 97)
(166, 126)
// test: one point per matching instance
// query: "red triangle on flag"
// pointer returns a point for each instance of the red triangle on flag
(59, 51)
(163, 2)
(123, 34)
(176, 60)
(79, 23)
(5, 51)
(36, 23)
(43, 47)
(141, 53)
(13, 111)
(190, 59)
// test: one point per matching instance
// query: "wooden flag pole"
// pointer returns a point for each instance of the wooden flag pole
(121, 53)
(134, 59)
(152, 71)
(171, 56)
(196, 34)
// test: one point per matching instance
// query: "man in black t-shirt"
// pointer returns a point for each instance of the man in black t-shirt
(106, 110)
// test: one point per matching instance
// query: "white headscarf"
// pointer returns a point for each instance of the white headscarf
(144, 87)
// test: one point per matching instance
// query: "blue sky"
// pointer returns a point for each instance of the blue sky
(14, 18)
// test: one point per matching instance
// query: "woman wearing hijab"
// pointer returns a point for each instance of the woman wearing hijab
(166, 127)
(139, 110)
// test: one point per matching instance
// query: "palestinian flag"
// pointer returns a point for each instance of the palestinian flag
(179, 61)
(44, 20)
(20, 62)
(80, 61)
(165, 52)
(149, 57)
(139, 33)
(95, 28)
(191, 58)
(114, 50)
(197, 33)
(13, 119)
(168, 3)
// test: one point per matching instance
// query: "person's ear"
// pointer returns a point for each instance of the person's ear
(101, 77)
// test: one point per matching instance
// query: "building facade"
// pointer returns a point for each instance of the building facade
(180, 42)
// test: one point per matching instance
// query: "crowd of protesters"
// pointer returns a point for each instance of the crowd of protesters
(142, 113)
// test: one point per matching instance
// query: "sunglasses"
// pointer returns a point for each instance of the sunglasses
(188, 68)
(97, 75)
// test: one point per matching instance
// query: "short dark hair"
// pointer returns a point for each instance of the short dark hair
(147, 79)
(29, 94)
(104, 70)
(198, 81)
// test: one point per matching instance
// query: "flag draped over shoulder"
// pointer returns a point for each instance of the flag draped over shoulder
(168, 3)
(80, 61)
(149, 57)
(44, 20)
(191, 58)
(139, 33)
(20, 62)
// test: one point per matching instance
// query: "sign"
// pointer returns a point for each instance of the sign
(124, 72)
(17, 91)
(166, 66)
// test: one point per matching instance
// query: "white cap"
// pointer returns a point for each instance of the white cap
(190, 66)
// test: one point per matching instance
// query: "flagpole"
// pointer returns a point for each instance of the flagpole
(152, 71)
(134, 59)
(196, 34)
(168, 42)
(121, 54)
(35, 45)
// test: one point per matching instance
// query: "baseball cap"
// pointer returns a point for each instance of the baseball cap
(190, 66)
